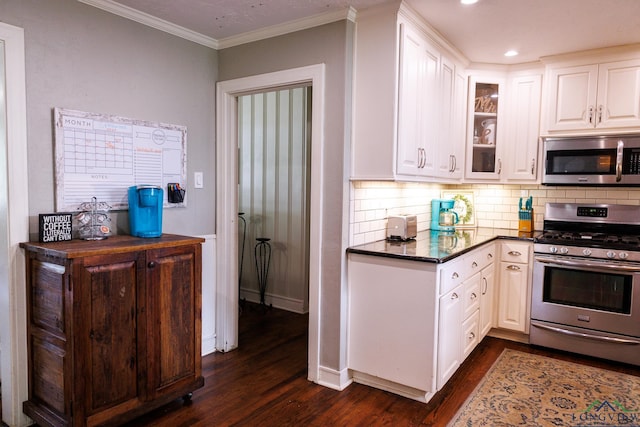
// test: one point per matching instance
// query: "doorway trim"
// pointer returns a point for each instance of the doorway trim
(227, 200)
(13, 327)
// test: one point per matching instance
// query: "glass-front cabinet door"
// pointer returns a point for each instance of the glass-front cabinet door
(484, 159)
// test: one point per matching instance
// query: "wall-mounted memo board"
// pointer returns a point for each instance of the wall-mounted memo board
(102, 155)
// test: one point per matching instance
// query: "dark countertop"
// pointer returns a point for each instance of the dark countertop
(439, 246)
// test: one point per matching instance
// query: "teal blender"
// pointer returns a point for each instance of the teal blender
(443, 217)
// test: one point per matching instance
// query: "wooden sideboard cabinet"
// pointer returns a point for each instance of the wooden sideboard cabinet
(114, 327)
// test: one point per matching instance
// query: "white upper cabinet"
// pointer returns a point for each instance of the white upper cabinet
(485, 139)
(593, 96)
(419, 71)
(503, 126)
(408, 104)
(522, 127)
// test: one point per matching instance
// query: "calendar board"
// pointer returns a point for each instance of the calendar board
(103, 155)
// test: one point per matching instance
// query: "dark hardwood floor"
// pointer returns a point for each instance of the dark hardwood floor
(264, 383)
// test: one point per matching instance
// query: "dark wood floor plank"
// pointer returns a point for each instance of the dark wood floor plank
(264, 383)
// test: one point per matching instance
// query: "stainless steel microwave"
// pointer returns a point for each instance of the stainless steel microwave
(592, 160)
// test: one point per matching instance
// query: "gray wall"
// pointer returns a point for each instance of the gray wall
(330, 44)
(82, 58)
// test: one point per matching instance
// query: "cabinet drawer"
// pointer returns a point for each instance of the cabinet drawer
(452, 274)
(472, 294)
(480, 258)
(515, 252)
(471, 330)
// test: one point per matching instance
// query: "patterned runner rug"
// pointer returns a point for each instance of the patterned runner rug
(524, 389)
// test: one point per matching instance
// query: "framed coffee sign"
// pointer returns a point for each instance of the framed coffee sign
(55, 227)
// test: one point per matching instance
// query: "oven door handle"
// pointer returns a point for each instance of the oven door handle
(587, 336)
(567, 262)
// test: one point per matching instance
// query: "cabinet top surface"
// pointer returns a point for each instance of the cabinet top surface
(438, 246)
(114, 244)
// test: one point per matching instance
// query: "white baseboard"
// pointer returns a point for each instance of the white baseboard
(208, 294)
(337, 380)
(390, 386)
(208, 344)
(509, 335)
(284, 303)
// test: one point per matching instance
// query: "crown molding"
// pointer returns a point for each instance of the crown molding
(152, 21)
(251, 36)
(288, 27)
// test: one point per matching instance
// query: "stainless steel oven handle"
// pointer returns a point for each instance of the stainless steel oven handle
(583, 335)
(567, 262)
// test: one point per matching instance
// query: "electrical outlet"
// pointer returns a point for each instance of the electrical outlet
(198, 180)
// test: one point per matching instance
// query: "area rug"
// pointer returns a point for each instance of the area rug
(524, 389)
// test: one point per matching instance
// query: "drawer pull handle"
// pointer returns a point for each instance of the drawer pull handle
(513, 267)
(455, 275)
(473, 296)
(474, 264)
(489, 256)
(454, 296)
(514, 253)
(472, 336)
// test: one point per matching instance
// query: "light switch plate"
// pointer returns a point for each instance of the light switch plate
(198, 180)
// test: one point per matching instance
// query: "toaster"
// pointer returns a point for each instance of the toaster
(402, 227)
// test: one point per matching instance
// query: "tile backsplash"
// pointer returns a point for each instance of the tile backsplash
(495, 205)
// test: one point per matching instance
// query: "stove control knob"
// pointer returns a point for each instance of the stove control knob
(586, 252)
(564, 251)
(611, 254)
(553, 249)
(623, 255)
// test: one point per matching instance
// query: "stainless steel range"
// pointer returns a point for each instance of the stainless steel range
(586, 281)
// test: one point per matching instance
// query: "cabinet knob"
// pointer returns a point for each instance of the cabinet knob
(151, 264)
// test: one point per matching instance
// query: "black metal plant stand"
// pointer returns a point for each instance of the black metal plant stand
(263, 259)
(244, 238)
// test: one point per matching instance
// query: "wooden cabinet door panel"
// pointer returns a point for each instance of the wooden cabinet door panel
(110, 316)
(173, 294)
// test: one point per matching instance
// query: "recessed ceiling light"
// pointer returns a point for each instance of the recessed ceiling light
(468, 1)
(511, 53)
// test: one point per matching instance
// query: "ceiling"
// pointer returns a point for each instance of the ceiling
(482, 32)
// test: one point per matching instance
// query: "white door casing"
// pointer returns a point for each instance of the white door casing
(15, 223)
(227, 200)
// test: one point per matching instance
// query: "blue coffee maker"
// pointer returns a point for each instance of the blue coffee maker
(145, 210)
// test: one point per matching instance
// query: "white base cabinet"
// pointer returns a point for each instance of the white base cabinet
(412, 323)
(392, 320)
(515, 286)
(487, 297)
